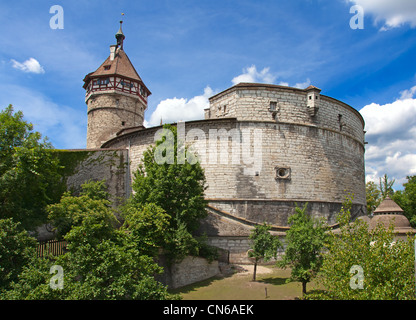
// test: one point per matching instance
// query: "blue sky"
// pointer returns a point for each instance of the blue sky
(188, 50)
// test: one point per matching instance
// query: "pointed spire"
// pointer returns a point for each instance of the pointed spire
(120, 36)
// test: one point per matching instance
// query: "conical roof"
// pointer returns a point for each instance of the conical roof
(120, 65)
(117, 64)
(388, 206)
(390, 212)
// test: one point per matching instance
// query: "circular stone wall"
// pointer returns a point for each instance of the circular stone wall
(263, 152)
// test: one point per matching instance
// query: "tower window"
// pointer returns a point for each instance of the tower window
(126, 84)
(123, 123)
(273, 105)
(103, 81)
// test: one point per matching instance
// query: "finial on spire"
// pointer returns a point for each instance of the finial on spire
(120, 36)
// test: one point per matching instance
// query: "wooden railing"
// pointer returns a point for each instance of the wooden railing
(51, 247)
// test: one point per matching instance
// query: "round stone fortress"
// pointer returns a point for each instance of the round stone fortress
(264, 148)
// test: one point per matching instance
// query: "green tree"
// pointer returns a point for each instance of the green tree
(33, 282)
(72, 210)
(105, 263)
(17, 249)
(29, 171)
(176, 185)
(95, 190)
(263, 245)
(102, 261)
(406, 199)
(384, 265)
(304, 243)
(148, 226)
(373, 196)
(99, 265)
(386, 187)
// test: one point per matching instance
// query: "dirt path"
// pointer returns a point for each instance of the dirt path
(244, 269)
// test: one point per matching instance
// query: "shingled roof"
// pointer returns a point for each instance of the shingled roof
(388, 206)
(120, 65)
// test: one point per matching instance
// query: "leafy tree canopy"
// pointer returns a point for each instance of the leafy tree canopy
(72, 210)
(304, 243)
(263, 245)
(373, 196)
(101, 262)
(17, 248)
(29, 178)
(366, 264)
(175, 185)
(406, 199)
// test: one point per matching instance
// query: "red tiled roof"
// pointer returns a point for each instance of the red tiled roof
(121, 65)
(312, 87)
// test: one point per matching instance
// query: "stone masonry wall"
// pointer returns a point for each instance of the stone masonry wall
(110, 165)
(188, 271)
(260, 162)
(109, 113)
(324, 165)
(82, 165)
(258, 166)
(236, 246)
(252, 102)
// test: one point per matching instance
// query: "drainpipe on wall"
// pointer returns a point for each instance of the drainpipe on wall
(127, 182)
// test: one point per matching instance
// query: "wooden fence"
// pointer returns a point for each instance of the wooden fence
(51, 247)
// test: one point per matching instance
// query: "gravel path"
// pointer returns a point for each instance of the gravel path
(243, 269)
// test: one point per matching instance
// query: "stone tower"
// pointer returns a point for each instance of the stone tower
(116, 96)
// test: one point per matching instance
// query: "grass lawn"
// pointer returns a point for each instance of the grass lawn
(239, 286)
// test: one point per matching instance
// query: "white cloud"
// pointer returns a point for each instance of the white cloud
(251, 75)
(394, 13)
(408, 94)
(177, 109)
(172, 110)
(391, 136)
(303, 85)
(31, 65)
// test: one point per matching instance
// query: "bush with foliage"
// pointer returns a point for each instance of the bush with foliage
(175, 186)
(17, 249)
(101, 262)
(385, 264)
(304, 243)
(147, 225)
(29, 172)
(406, 199)
(263, 245)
